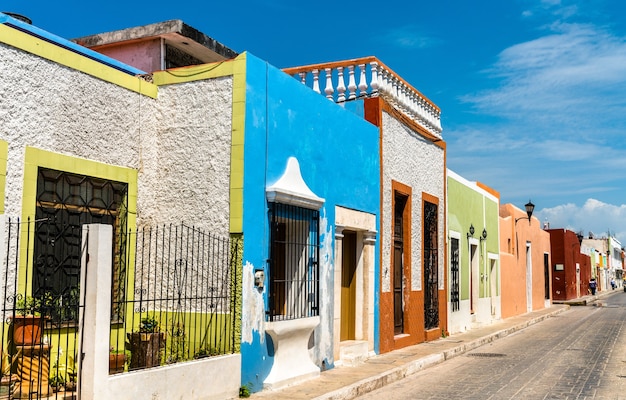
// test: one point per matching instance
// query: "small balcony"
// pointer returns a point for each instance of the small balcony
(368, 77)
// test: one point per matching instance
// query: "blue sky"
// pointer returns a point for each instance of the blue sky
(532, 92)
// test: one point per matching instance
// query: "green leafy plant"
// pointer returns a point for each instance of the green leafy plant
(36, 305)
(176, 351)
(244, 391)
(63, 373)
(204, 352)
(149, 324)
(28, 305)
(57, 382)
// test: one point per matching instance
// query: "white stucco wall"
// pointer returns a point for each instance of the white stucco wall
(55, 108)
(410, 159)
(186, 176)
(179, 143)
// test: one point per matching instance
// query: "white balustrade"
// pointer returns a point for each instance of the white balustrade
(383, 82)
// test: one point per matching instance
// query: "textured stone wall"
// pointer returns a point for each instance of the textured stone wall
(416, 162)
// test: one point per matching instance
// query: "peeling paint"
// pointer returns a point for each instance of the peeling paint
(323, 351)
(253, 315)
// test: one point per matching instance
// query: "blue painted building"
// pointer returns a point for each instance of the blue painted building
(310, 211)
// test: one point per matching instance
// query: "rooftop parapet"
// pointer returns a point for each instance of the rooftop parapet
(368, 77)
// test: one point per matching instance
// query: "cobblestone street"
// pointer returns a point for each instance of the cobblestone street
(579, 354)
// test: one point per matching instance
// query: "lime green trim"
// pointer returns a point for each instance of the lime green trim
(238, 138)
(236, 285)
(4, 154)
(41, 48)
(35, 158)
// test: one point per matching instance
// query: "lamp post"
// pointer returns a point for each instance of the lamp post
(580, 237)
(530, 207)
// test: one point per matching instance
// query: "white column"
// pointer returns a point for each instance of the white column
(95, 315)
(337, 290)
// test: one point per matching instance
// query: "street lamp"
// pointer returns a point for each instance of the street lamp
(530, 207)
(471, 231)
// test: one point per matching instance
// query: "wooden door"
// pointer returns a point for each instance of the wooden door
(348, 286)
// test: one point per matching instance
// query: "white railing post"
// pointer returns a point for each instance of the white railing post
(375, 84)
(362, 81)
(329, 84)
(341, 85)
(316, 80)
(351, 83)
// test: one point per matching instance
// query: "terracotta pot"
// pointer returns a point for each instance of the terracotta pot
(27, 330)
(116, 363)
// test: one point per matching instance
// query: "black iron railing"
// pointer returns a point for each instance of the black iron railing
(182, 306)
(173, 299)
(455, 285)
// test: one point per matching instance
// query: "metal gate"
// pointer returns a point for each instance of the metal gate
(41, 308)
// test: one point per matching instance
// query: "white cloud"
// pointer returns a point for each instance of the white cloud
(552, 124)
(594, 216)
(570, 78)
(409, 36)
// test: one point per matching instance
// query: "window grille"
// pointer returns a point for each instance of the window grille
(65, 202)
(293, 262)
(454, 269)
(431, 269)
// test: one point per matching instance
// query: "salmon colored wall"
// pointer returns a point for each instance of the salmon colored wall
(513, 238)
(144, 55)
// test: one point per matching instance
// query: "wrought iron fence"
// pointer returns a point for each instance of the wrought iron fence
(172, 299)
(40, 310)
(179, 303)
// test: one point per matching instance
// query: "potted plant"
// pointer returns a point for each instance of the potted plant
(146, 344)
(117, 359)
(27, 325)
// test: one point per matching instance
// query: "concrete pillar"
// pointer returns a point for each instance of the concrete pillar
(95, 315)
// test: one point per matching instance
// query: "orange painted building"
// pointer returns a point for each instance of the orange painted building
(525, 263)
(413, 301)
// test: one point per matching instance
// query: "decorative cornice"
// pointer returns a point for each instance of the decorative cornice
(291, 189)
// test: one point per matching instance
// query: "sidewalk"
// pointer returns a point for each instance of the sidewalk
(346, 382)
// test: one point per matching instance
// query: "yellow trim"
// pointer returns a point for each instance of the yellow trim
(35, 158)
(4, 154)
(194, 73)
(47, 50)
(238, 137)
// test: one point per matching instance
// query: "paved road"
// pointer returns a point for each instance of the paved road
(579, 354)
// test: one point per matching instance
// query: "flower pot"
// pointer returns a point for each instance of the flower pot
(116, 363)
(145, 349)
(27, 330)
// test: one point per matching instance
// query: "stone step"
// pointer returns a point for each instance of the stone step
(353, 352)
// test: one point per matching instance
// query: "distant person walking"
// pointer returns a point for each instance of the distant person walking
(613, 283)
(593, 285)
